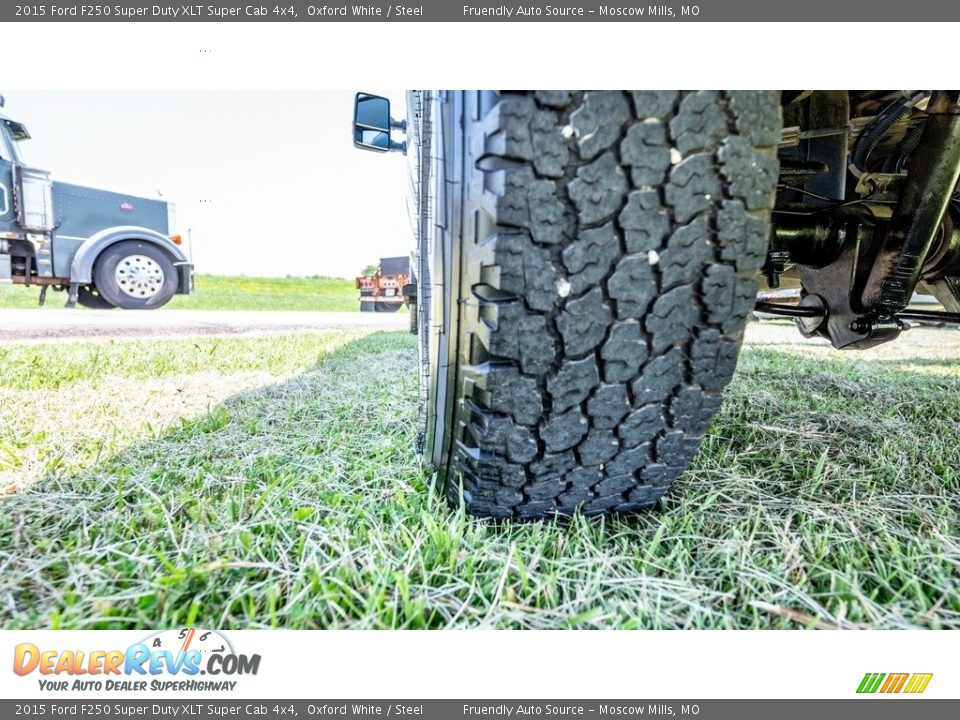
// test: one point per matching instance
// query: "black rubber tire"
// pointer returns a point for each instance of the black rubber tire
(89, 297)
(106, 283)
(386, 307)
(609, 245)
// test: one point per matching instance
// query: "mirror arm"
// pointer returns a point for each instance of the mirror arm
(400, 125)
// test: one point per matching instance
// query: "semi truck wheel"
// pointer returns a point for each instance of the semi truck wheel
(135, 275)
(604, 267)
(89, 297)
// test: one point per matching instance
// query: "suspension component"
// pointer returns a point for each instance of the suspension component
(918, 216)
(860, 260)
(811, 308)
(775, 265)
(815, 240)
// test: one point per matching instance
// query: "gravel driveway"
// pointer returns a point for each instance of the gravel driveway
(19, 325)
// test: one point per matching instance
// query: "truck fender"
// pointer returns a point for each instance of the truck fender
(81, 270)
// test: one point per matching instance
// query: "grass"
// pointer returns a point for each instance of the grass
(216, 292)
(271, 483)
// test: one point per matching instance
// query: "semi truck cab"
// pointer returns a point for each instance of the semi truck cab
(104, 248)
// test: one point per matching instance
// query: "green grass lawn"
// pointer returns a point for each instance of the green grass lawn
(272, 483)
(216, 292)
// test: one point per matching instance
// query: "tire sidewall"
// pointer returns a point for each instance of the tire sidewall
(105, 279)
(438, 280)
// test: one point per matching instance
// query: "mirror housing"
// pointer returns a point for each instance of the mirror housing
(372, 124)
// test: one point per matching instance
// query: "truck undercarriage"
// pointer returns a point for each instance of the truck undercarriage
(866, 211)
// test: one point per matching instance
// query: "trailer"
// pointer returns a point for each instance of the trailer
(104, 248)
(389, 289)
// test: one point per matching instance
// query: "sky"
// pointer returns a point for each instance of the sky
(267, 183)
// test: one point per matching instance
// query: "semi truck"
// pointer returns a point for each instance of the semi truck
(391, 287)
(103, 248)
(587, 261)
(383, 291)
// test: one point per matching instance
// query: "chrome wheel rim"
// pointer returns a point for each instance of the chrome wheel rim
(139, 276)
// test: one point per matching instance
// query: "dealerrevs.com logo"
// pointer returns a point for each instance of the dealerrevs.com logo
(891, 683)
(169, 660)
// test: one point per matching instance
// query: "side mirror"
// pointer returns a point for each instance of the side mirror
(372, 124)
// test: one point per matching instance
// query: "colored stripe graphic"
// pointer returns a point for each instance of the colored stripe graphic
(893, 683)
(918, 682)
(870, 682)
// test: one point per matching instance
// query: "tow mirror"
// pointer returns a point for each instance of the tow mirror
(372, 124)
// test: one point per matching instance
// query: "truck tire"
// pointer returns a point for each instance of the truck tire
(608, 247)
(89, 297)
(135, 275)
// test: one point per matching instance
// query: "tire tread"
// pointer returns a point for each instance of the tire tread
(612, 242)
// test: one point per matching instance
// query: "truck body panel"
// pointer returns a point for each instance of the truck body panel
(81, 212)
